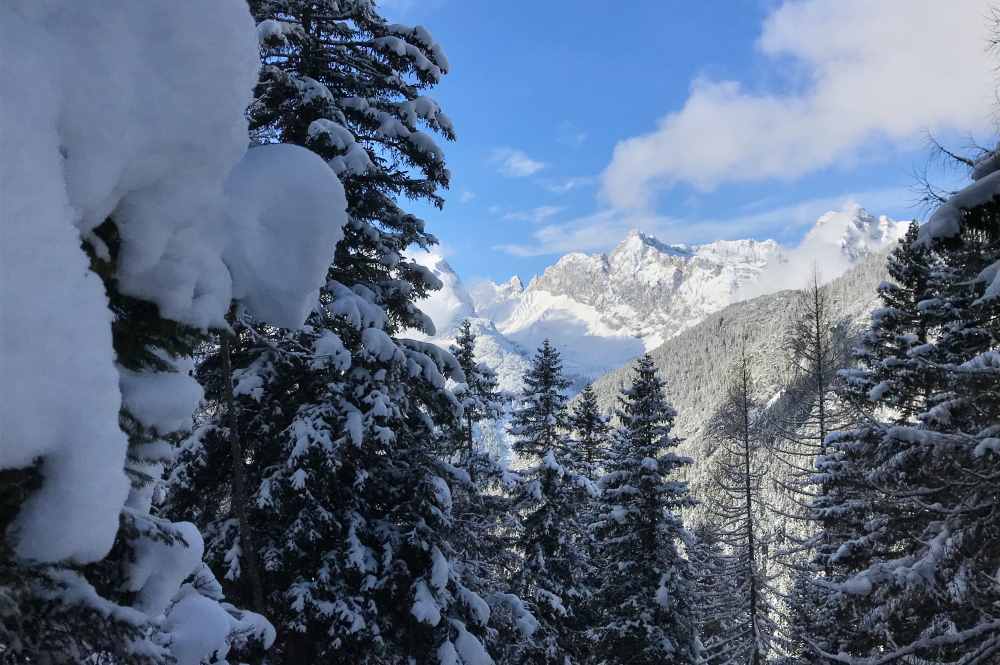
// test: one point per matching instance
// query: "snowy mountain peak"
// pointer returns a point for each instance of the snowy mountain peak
(637, 242)
(855, 231)
(451, 304)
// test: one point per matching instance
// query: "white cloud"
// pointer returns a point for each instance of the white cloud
(466, 196)
(535, 215)
(514, 163)
(602, 230)
(887, 70)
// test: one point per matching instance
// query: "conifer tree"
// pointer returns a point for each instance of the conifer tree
(553, 574)
(739, 468)
(909, 499)
(138, 604)
(859, 519)
(590, 430)
(481, 398)
(340, 427)
(715, 586)
(538, 423)
(645, 602)
(810, 410)
(888, 375)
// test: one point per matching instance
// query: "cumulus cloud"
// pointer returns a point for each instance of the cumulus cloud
(514, 163)
(602, 230)
(872, 71)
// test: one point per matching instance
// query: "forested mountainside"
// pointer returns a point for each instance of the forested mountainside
(696, 363)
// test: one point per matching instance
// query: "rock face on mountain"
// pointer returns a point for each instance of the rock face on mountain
(651, 290)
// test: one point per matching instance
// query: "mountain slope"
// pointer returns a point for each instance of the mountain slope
(695, 363)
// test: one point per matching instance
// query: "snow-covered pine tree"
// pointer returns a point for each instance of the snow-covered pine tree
(485, 521)
(550, 498)
(888, 375)
(539, 420)
(645, 602)
(735, 504)
(142, 603)
(932, 588)
(590, 430)
(348, 503)
(481, 399)
(588, 445)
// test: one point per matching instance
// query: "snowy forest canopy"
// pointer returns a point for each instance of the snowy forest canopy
(221, 444)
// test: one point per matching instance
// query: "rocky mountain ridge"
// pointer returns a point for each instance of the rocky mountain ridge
(602, 310)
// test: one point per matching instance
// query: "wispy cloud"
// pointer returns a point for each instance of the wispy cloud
(466, 196)
(871, 76)
(564, 185)
(514, 163)
(535, 215)
(604, 229)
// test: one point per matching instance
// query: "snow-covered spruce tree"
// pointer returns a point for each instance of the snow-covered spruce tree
(539, 419)
(348, 503)
(645, 602)
(485, 521)
(888, 375)
(481, 399)
(154, 357)
(739, 469)
(588, 444)
(120, 249)
(550, 499)
(590, 431)
(921, 569)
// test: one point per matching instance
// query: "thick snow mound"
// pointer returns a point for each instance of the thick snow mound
(288, 212)
(132, 110)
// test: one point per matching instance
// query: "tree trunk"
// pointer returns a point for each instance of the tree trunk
(250, 565)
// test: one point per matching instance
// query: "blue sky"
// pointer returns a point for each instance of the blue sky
(731, 119)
